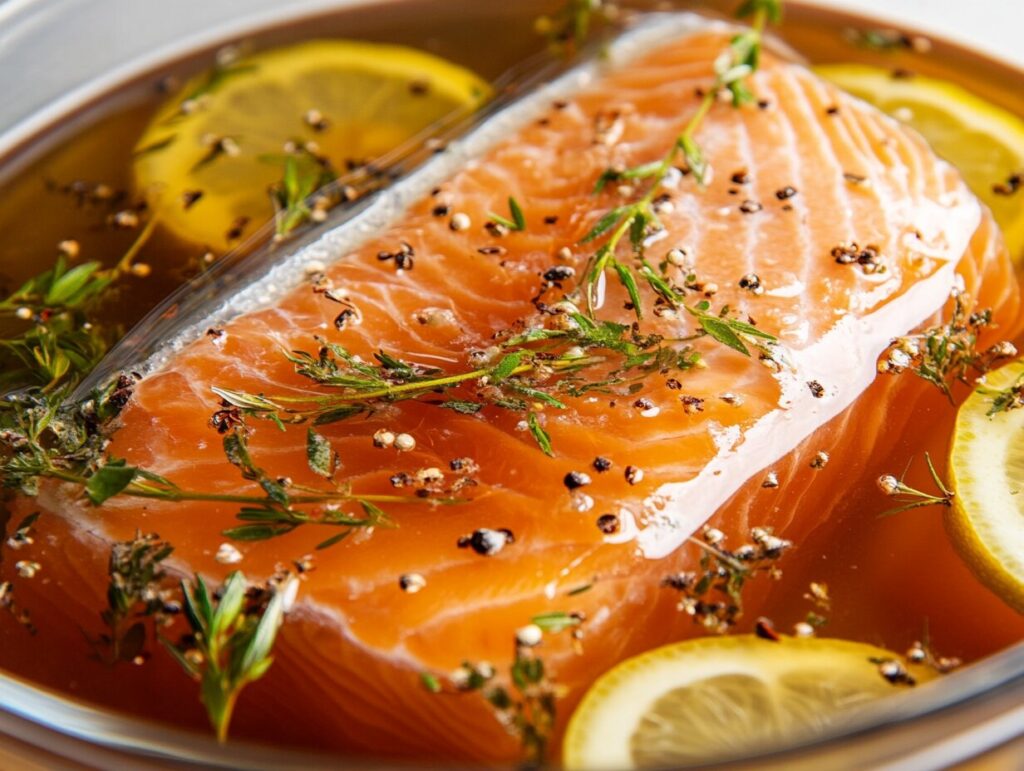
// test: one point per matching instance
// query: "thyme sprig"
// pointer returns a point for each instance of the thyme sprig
(713, 594)
(525, 703)
(908, 497)
(538, 365)
(134, 593)
(946, 354)
(569, 27)
(304, 173)
(231, 638)
(635, 220)
(62, 337)
(51, 439)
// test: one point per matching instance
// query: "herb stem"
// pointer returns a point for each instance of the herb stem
(633, 219)
(125, 263)
(142, 490)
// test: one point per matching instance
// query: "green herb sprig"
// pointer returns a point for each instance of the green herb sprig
(51, 439)
(908, 497)
(946, 354)
(231, 639)
(525, 702)
(569, 28)
(635, 220)
(304, 174)
(134, 592)
(713, 595)
(538, 365)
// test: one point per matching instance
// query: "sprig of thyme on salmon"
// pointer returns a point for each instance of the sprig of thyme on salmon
(639, 219)
(67, 443)
(526, 370)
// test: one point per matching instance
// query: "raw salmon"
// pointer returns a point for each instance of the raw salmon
(805, 171)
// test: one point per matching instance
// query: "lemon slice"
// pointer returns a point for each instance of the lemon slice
(986, 471)
(219, 144)
(984, 141)
(714, 697)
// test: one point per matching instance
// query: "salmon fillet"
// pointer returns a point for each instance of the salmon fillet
(807, 170)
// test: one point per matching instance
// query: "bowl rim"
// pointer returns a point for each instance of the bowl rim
(33, 714)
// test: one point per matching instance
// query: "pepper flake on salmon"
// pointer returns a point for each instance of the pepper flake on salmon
(693, 438)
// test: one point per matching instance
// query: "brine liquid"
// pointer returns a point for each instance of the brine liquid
(892, 580)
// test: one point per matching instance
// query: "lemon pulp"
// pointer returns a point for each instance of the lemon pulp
(355, 100)
(984, 141)
(713, 697)
(986, 470)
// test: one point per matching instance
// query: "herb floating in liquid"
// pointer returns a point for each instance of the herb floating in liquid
(946, 354)
(134, 593)
(570, 26)
(911, 498)
(304, 174)
(723, 574)
(63, 338)
(526, 703)
(231, 638)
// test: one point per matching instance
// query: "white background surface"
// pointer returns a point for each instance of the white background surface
(996, 26)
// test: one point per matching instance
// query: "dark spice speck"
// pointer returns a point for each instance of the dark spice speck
(486, 542)
(576, 479)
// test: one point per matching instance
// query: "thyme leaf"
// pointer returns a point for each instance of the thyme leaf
(518, 221)
(525, 700)
(540, 436)
(569, 27)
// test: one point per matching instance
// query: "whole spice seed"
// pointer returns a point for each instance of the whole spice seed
(601, 464)
(576, 479)
(411, 582)
(608, 524)
(486, 542)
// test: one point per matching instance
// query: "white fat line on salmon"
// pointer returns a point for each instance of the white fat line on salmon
(391, 205)
(845, 357)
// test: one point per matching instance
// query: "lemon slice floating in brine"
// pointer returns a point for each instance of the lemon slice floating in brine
(984, 141)
(715, 697)
(986, 472)
(210, 154)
